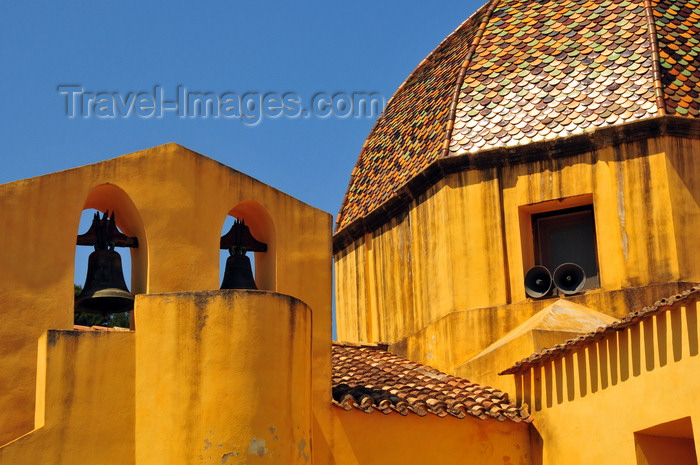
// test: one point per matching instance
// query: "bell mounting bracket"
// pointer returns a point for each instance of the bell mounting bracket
(239, 240)
(103, 234)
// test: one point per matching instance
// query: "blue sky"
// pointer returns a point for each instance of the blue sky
(219, 47)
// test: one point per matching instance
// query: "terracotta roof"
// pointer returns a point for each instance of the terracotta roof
(369, 378)
(632, 319)
(518, 72)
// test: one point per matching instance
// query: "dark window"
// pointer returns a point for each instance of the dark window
(567, 236)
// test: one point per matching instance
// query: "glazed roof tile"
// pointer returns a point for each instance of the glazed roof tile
(414, 120)
(576, 65)
(369, 378)
(632, 319)
(518, 72)
(678, 32)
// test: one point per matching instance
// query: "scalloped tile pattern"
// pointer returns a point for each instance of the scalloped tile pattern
(411, 131)
(678, 32)
(371, 379)
(550, 68)
(542, 69)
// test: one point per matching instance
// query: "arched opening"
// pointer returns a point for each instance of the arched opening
(110, 198)
(225, 254)
(262, 229)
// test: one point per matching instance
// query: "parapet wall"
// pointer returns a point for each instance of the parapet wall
(223, 377)
(85, 401)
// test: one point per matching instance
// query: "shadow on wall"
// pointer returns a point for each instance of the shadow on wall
(660, 340)
(670, 442)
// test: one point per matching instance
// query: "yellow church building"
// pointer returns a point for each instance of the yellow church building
(515, 260)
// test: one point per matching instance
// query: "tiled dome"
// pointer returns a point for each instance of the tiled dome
(518, 72)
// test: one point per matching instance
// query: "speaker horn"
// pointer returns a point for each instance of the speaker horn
(538, 282)
(569, 278)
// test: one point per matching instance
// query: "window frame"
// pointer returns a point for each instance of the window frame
(543, 223)
(552, 208)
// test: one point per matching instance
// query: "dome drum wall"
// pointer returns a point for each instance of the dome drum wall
(458, 247)
(558, 148)
(529, 108)
(410, 264)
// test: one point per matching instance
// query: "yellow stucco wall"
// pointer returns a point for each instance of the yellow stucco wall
(661, 450)
(223, 377)
(175, 201)
(445, 280)
(444, 345)
(85, 402)
(631, 381)
(557, 322)
(416, 269)
(377, 439)
(684, 189)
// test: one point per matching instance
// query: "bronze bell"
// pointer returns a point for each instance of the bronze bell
(239, 272)
(105, 290)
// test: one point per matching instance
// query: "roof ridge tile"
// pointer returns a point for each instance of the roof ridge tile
(401, 385)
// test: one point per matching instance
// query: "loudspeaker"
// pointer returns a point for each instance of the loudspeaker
(569, 278)
(538, 282)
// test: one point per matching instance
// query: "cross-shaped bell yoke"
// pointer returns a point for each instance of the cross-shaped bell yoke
(239, 273)
(105, 290)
